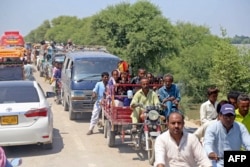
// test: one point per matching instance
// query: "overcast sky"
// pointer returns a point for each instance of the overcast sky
(26, 15)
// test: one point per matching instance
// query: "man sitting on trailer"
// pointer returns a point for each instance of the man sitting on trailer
(145, 97)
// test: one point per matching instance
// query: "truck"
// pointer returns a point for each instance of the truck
(11, 63)
(12, 39)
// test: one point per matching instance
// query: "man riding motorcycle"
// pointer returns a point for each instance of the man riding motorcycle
(144, 96)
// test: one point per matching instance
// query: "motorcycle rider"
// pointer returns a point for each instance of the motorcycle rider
(169, 94)
(144, 96)
(177, 147)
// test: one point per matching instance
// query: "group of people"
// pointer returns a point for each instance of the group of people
(146, 92)
(225, 126)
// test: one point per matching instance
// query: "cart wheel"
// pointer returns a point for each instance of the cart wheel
(105, 131)
(151, 151)
(110, 136)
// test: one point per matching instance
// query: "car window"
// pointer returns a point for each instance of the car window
(94, 66)
(59, 59)
(18, 94)
(66, 64)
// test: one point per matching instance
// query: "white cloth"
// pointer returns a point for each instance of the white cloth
(118, 103)
(208, 111)
(189, 153)
(200, 132)
(95, 114)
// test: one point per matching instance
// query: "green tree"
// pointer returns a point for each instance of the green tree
(138, 33)
(191, 67)
(38, 34)
(64, 28)
(230, 71)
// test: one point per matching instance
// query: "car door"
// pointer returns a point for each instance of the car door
(64, 77)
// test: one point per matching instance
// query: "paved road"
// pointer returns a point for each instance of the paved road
(72, 147)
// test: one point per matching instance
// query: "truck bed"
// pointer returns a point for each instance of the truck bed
(117, 115)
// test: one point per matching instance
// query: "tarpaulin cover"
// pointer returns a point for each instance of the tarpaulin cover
(9, 73)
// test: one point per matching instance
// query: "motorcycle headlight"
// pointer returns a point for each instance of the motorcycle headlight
(153, 115)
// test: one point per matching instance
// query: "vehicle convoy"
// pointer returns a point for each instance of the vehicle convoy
(11, 63)
(81, 70)
(12, 39)
(117, 121)
(25, 114)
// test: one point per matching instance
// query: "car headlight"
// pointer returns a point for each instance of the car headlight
(153, 115)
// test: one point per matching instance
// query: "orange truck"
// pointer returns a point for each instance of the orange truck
(11, 63)
(12, 39)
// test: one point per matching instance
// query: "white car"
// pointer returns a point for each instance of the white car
(25, 114)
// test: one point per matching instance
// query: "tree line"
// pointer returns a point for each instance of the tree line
(141, 35)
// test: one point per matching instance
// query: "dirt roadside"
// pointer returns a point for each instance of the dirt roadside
(191, 123)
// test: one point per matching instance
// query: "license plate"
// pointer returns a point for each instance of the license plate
(9, 120)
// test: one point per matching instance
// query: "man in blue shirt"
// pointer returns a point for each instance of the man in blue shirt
(98, 92)
(169, 94)
(225, 134)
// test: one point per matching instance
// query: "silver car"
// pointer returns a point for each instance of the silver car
(25, 114)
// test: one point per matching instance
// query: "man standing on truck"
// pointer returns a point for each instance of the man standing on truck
(98, 93)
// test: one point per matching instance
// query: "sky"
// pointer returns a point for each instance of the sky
(232, 15)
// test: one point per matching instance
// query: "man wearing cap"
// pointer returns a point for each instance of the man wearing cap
(225, 134)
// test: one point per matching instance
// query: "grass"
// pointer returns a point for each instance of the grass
(192, 112)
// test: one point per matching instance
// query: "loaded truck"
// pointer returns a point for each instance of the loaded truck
(12, 39)
(11, 63)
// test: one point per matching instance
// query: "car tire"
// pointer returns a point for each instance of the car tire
(110, 136)
(151, 151)
(72, 115)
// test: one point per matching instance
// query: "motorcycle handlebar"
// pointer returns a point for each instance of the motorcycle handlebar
(149, 107)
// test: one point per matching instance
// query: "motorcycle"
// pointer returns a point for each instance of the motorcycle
(148, 131)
